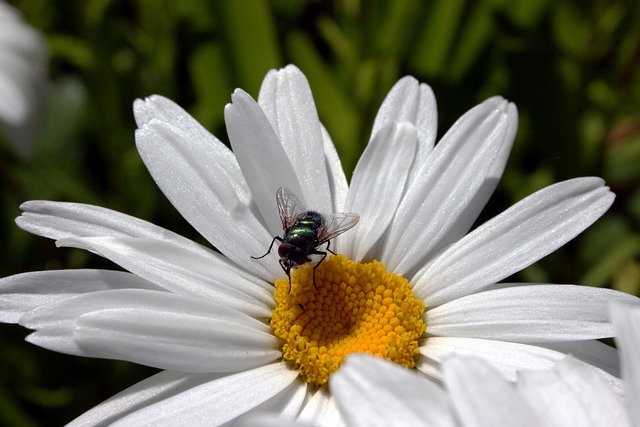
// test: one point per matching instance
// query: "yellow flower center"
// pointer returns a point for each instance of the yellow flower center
(356, 308)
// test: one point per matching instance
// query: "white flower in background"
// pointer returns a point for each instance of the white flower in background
(231, 337)
(23, 63)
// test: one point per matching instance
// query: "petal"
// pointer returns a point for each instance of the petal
(626, 321)
(59, 220)
(321, 410)
(60, 327)
(373, 392)
(171, 339)
(216, 402)
(284, 407)
(445, 185)
(521, 235)
(466, 219)
(261, 156)
(413, 102)
(337, 179)
(535, 313)
(507, 357)
(157, 107)
(24, 292)
(182, 272)
(147, 392)
(201, 178)
(266, 419)
(286, 99)
(593, 352)
(377, 185)
(482, 397)
(572, 394)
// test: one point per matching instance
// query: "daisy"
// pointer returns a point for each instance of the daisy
(23, 60)
(410, 283)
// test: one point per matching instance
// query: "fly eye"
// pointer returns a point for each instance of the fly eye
(285, 249)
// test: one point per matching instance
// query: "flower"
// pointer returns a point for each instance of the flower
(23, 60)
(409, 284)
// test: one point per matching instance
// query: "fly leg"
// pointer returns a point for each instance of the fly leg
(328, 243)
(287, 269)
(324, 255)
(278, 238)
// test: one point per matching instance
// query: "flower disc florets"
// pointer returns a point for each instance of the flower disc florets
(354, 308)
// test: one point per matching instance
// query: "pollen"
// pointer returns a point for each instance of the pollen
(353, 308)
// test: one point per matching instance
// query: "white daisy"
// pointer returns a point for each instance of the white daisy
(229, 342)
(23, 60)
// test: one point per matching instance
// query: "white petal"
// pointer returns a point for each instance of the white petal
(626, 321)
(377, 185)
(535, 313)
(373, 392)
(447, 184)
(215, 402)
(285, 406)
(56, 323)
(220, 191)
(321, 410)
(24, 292)
(337, 179)
(165, 110)
(482, 397)
(182, 272)
(147, 392)
(468, 217)
(202, 180)
(413, 102)
(174, 339)
(507, 357)
(267, 419)
(521, 235)
(429, 367)
(286, 99)
(59, 220)
(262, 159)
(593, 352)
(572, 394)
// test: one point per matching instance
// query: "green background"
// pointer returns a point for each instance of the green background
(570, 66)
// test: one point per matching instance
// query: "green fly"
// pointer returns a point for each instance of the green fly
(305, 231)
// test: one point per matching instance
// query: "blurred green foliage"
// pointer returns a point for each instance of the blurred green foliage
(571, 66)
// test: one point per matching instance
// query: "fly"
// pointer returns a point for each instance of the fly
(304, 231)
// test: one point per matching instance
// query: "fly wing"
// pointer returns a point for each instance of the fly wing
(336, 224)
(289, 207)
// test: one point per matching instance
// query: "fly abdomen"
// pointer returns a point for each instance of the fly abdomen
(301, 236)
(304, 232)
